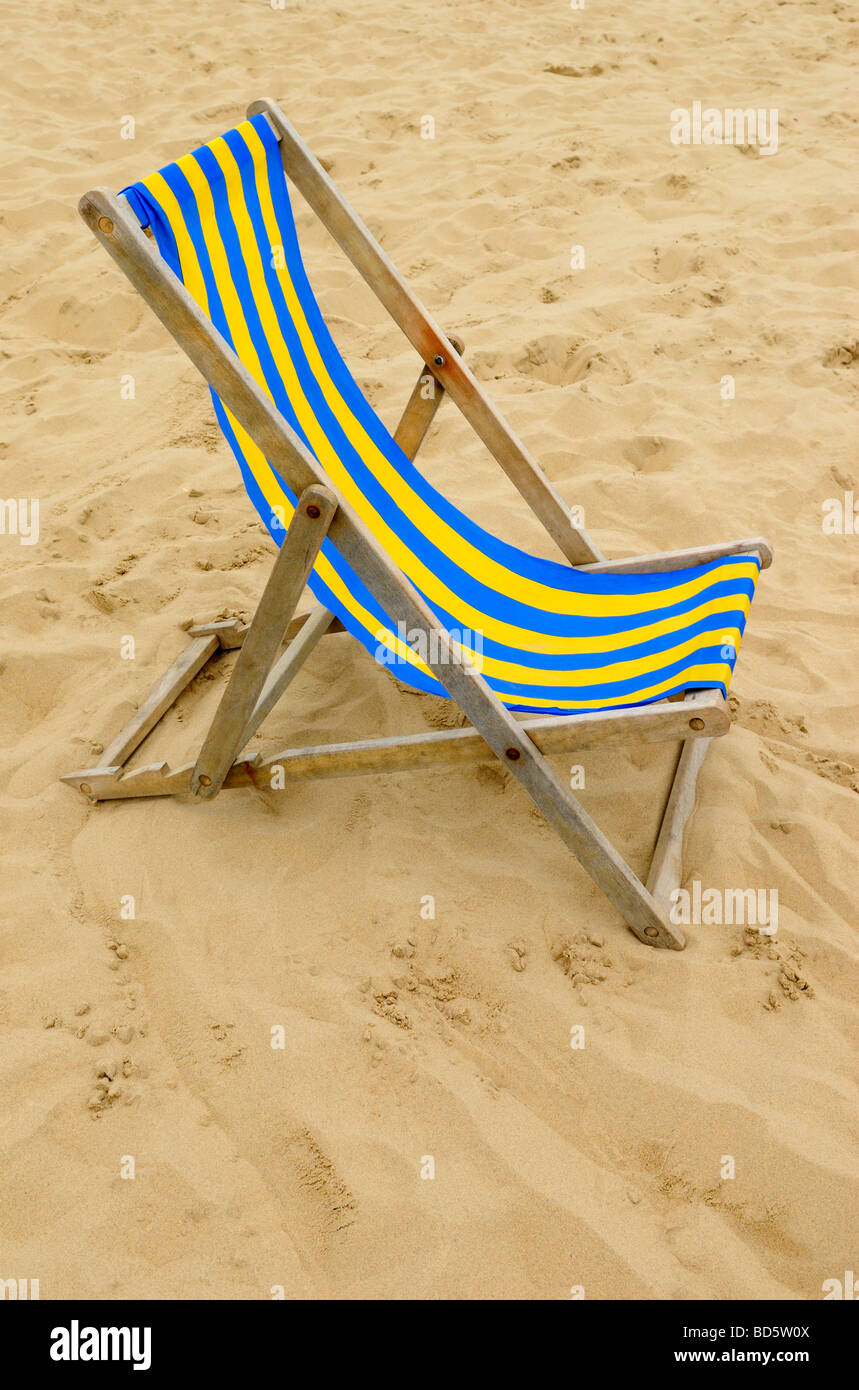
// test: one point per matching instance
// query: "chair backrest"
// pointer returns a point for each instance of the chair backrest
(546, 636)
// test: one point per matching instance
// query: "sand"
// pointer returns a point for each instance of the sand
(410, 1037)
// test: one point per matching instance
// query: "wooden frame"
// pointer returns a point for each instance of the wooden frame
(521, 745)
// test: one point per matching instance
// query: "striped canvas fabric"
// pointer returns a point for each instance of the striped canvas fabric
(548, 638)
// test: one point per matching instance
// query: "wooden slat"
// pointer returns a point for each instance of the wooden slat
(297, 623)
(180, 674)
(552, 735)
(114, 784)
(307, 530)
(421, 408)
(230, 632)
(233, 639)
(424, 334)
(684, 559)
(666, 869)
(666, 865)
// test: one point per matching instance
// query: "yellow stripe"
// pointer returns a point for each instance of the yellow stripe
(546, 645)
(192, 276)
(688, 679)
(505, 671)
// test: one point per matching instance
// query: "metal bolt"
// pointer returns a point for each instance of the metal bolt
(105, 225)
(651, 931)
(86, 788)
(205, 781)
(512, 753)
(438, 360)
(313, 511)
(696, 723)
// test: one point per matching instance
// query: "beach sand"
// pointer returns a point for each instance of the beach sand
(409, 1037)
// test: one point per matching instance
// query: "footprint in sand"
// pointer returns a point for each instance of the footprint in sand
(790, 982)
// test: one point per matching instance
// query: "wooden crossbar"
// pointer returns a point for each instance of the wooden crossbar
(660, 722)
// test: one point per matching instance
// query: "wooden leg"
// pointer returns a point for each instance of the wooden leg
(287, 668)
(666, 866)
(580, 833)
(316, 508)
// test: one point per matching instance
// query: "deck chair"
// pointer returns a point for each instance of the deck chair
(541, 656)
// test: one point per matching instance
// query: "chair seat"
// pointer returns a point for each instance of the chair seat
(547, 637)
